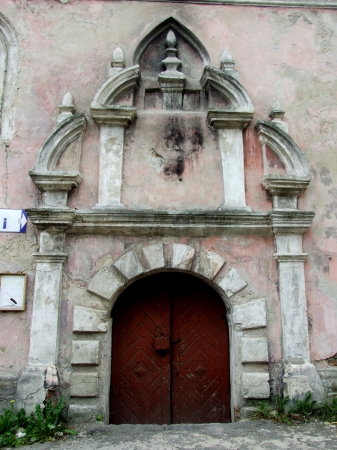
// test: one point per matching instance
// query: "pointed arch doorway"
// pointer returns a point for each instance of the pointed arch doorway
(170, 353)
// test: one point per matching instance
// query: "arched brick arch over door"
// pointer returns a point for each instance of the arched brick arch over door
(170, 355)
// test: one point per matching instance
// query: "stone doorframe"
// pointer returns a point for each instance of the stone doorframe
(109, 284)
(54, 219)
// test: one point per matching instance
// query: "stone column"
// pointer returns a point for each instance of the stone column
(41, 374)
(300, 374)
(230, 126)
(113, 122)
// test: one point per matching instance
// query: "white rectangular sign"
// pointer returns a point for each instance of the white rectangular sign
(12, 291)
(13, 220)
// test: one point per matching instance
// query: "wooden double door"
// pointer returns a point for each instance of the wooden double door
(170, 355)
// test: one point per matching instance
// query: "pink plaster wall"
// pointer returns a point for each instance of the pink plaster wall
(290, 54)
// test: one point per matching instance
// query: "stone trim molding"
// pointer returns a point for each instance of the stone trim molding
(220, 119)
(57, 142)
(114, 116)
(284, 147)
(115, 86)
(174, 25)
(51, 258)
(159, 223)
(326, 4)
(228, 87)
(56, 184)
(291, 258)
(10, 73)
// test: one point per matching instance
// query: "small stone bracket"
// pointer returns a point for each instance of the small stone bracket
(285, 189)
(114, 116)
(220, 119)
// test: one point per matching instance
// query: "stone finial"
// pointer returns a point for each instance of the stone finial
(117, 61)
(171, 62)
(227, 64)
(171, 40)
(66, 109)
(171, 80)
(276, 114)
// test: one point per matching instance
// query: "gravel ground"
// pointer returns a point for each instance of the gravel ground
(249, 435)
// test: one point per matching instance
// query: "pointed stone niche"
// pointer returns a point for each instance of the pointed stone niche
(152, 58)
(171, 63)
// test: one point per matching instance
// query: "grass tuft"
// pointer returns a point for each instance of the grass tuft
(17, 429)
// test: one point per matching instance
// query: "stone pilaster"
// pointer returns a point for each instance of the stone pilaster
(299, 374)
(112, 123)
(229, 126)
(40, 374)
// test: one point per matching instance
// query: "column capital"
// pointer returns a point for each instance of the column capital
(56, 220)
(226, 118)
(291, 222)
(52, 257)
(114, 116)
(290, 257)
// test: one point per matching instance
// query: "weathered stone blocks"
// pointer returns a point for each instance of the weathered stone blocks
(82, 413)
(182, 256)
(251, 315)
(85, 352)
(154, 256)
(209, 264)
(129, 266)
(104, 284)
(254, 349)
(232, 283)
(84, 384)
(255, 385)
(89, 320)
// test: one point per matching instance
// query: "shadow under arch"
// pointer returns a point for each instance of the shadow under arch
(170, 325)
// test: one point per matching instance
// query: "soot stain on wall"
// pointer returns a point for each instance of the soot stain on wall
(183, 142)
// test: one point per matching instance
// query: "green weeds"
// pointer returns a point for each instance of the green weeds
(301, 411)
(16, 428)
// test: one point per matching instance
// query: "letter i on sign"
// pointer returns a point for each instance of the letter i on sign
(4, 225)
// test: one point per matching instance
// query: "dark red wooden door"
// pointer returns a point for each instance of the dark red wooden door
(170, 357)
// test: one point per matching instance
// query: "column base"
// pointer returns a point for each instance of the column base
(33, 386)
(298, 379)
(108, 206)
(243, 208)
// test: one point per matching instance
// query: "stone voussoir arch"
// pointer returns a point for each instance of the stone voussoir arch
(206, 265)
